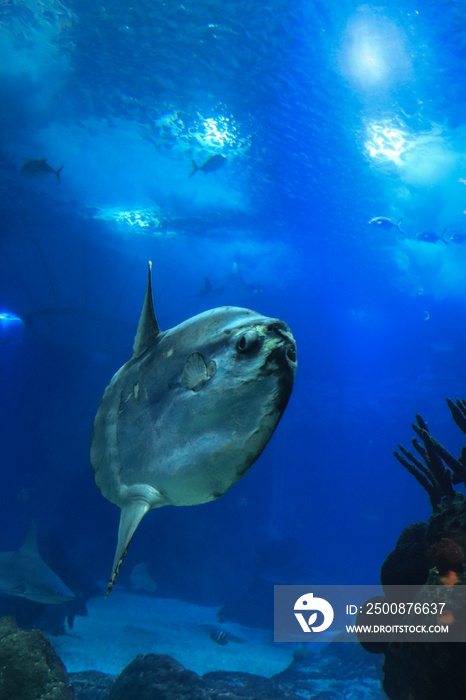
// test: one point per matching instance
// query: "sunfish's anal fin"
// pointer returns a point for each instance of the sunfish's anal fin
(131, 516)
(148, 328)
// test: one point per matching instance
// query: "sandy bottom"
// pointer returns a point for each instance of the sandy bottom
(124, 625)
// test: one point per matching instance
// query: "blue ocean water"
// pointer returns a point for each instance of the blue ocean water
(328, 114)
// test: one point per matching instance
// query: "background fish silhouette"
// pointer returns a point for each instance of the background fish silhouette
(210, 165)
(23, 573)
(40, 168)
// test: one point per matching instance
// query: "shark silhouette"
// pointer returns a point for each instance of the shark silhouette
(24, 574)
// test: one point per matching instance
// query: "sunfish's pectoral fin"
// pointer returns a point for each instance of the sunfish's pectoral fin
(196, 373)
(131, 516)
(148, 328)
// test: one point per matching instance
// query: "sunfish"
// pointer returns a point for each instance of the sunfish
(40, 168)
(210, 165)
(25, 574)
(191, 411)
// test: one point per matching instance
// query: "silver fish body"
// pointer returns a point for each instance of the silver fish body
(187, 416)
(385, 223)
(430, 237)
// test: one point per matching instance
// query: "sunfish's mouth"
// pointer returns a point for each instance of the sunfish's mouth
(286, 341)
(291, 353)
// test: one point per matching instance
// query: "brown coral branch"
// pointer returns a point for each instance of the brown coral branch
(438, 470)
(458, 411)
(434, 459)
(421, 473)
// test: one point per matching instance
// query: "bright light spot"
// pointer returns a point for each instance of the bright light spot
(424, 157)
(138, 220)
(373, 51)
(217, 133)
(170, 125)
(209, 132)
(371, 64)
(214, 133)
(7, 318)
(8, 321)
(386, 141)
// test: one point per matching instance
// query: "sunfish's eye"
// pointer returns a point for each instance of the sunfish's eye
(247, 342)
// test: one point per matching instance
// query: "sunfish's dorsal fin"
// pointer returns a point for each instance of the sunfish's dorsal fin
(130, 517)
(148, 328)
(29, 545)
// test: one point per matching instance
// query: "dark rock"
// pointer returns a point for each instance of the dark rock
(428, 671)
(415, 532)
(363, 618)
(30, 668)
(91, 685)
(433, 670)
(157, 677)
(407, 564)
(241, 686)
(448, 517)
(447, 555)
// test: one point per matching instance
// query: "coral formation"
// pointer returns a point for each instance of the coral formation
(430, 557)
(440, 469)
(447, 555)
